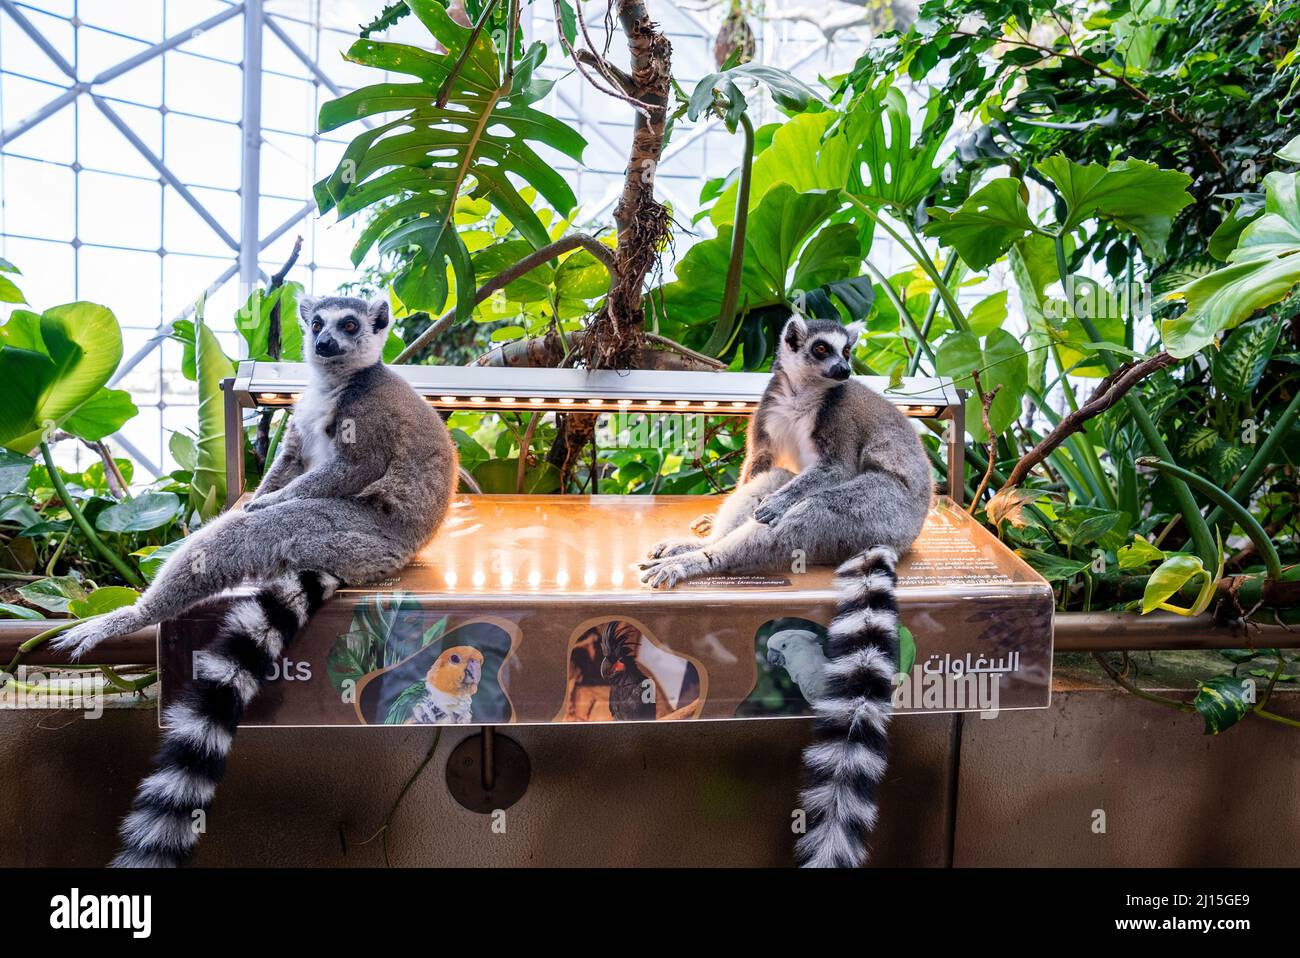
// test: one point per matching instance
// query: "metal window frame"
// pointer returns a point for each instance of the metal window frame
(250, 242)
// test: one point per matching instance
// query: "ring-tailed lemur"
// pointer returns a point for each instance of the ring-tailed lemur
(833, 472)
(363, 479)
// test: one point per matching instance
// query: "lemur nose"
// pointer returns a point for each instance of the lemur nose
(326, 347)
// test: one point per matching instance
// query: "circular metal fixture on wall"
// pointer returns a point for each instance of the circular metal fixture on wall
(488, 772)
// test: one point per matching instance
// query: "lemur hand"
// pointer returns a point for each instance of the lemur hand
(771, 509)
(261, 502)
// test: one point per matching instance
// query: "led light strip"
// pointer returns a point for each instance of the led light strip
(714, 407)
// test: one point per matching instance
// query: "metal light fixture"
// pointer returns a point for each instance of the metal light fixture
(263, 384)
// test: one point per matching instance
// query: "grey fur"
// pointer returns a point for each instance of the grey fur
(364, 477)
(834, 472)
(832, 468)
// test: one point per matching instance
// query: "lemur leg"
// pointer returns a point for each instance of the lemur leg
(737, 508)
(828, 527)
(339, 537)
(815, 479)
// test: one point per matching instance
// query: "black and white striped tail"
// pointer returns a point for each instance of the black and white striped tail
(163, 825)
(847, 759)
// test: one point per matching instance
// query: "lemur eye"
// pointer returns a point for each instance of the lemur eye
(820, 351)
(350, 326)
(317, 325)
(846, 352)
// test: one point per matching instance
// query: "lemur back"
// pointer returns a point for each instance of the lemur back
(363, 479)
(834, 473)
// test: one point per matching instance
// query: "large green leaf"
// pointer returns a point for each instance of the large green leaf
(103, 600)
(53, 366)
(149, 510)
(53, 593)
(253, 321)
(1001, 361)
(208, 485)
(1134, 195)
(534, 286)
(102, 414)
(778, 230)
(420, 163)
(984, 227)
(890, 168)
(802, 156)
(9, 292)
(1261, 271)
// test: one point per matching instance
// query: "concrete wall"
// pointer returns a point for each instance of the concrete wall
(693, 794)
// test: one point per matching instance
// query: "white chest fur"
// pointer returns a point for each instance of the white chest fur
(311, 416)
(789, 421)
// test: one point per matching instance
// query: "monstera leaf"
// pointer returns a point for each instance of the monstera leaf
(1261, 271)
(779, 229)
(890, 169)
(54, 368)
(802, 156)
(419, 164)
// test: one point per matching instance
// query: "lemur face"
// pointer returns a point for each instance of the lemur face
(815, 352)
(341, 333)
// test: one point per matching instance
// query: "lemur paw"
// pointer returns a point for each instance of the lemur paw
(769, 511)
(253, 505)
(673, 547)
(80, 639)
(703, 526)
(663, 574)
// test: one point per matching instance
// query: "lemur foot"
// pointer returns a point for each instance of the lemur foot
(80, 639)
(673, 547)
(667, 572)
(703, 526)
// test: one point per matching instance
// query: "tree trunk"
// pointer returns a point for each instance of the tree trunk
(642, 221)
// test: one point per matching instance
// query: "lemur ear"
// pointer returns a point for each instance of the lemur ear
(853, 331)
(379, 314)
(306, 306)
(795, 332)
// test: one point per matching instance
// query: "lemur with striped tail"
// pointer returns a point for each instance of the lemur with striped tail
(364, 478)
(833, 473)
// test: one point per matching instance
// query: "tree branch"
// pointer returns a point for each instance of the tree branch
(582, 61)
(1108, 392)
(274, 346)
(986, 400)
(444, 91)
